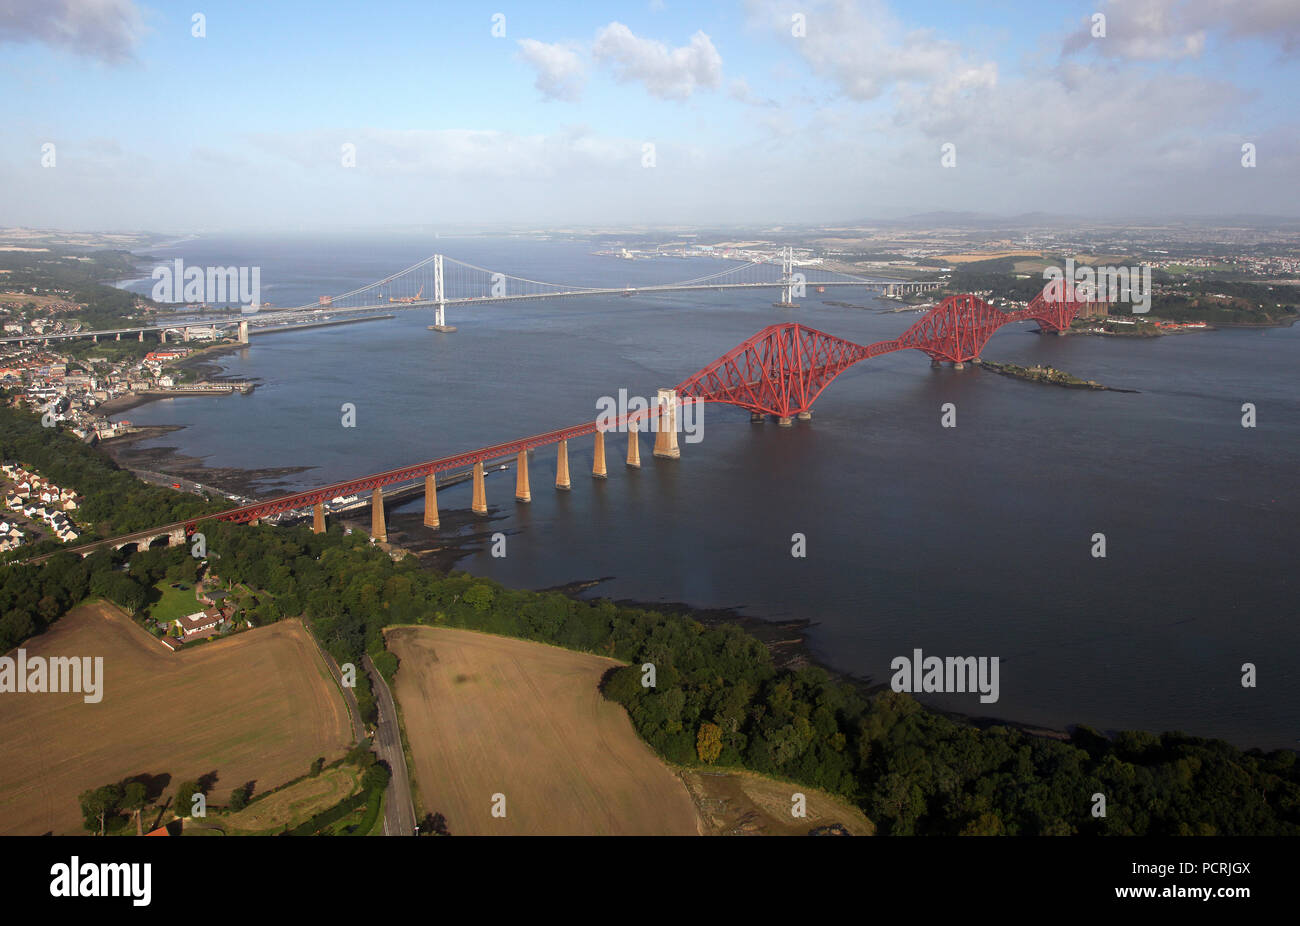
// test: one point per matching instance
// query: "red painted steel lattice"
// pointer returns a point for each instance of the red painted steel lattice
(781, 371)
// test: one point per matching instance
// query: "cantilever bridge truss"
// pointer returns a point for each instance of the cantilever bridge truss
(779, 371)
(783, 368)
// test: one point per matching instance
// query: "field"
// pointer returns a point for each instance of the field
(173, 603)
(13, 300)
(488, 715)
(974, 257)
(293, 805)
(745, 804)
(257, 707)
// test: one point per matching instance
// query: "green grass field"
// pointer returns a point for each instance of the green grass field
(171, 603)
(292, 805)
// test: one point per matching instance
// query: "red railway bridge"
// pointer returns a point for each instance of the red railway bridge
(779, 371)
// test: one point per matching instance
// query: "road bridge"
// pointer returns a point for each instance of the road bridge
(454, 283)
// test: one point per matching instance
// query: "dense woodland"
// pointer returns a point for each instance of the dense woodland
(115, 502)
(1246, 303)
(82, 272)
(1195, 300)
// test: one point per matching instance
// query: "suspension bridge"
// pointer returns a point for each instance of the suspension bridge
(440, 282)
(779, 371)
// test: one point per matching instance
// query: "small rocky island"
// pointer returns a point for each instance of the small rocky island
(1050, 375)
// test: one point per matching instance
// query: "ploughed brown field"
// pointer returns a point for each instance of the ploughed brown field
(487, 715)
(259, 706)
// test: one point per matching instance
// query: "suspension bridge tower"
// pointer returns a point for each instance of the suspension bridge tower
(439, 298)
(787, 280)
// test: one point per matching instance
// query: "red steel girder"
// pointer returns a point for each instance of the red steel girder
(779, 371)
(956, 329)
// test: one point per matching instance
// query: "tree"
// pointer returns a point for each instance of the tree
(386, 663)
(134, 797)
(986, 824)
(479, 597)
(375, 778)
(316, 766)
(239, 798)
(708, 744)
(98, 804)
(185, 797)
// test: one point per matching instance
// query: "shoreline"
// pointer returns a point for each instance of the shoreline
(201, 361)
(786, 639)
(169, 461)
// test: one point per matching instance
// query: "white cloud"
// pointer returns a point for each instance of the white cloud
(104, 29)
(1073, 114)
(561, 73)
(1154, 30)
(865, 51)
(740, 91)
(458, 153)
(1144, 30)
(668, 73)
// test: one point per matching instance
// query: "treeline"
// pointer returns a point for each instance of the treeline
(996, 276)
(1253, 303)
(719, 700)
(34, 597)
(65, 269)
(108, 809)
(115, 502)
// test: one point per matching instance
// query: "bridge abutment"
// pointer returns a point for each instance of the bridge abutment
(784, 421)
(378, 527)
(804, 416)
(431, 501)
(562, 465)
(479, 503)
(318, 518)
(633, 446)
(666, 435)
(522, 491)
(598, 457)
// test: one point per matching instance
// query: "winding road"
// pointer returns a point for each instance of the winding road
(399, 808)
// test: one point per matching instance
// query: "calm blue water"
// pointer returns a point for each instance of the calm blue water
(967, 541)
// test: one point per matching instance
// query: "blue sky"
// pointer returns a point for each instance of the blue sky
(548, 124)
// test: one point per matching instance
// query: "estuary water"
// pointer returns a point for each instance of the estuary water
(975, 540)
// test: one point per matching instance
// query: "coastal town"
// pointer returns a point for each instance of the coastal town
(71, 381)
